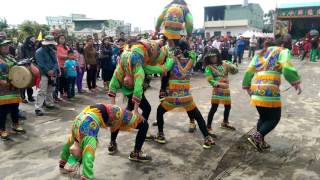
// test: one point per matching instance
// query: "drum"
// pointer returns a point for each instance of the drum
(23, 76)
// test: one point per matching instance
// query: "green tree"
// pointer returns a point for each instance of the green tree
(3, 24)
(28, 28)
(268, 21)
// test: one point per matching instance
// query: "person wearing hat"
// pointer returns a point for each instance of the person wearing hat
(9, 95)
(217, 72)
(46, 59)
(262, 80)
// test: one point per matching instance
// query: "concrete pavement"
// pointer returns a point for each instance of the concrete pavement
(294, 153)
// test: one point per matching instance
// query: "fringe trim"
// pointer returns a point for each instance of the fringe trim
(171, 35)
(178, 108)
(270, 104)
(267, 77)
(10, 101)
(183, 100)
(179, 86)
(221, 101)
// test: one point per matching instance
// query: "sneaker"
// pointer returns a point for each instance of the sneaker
(139, 157)
(255, 143)
(39, 112)
(72, 168)
(160, 138)
(51, 107)
(31, 99)
(61, 167)
(208, 142)
(265, 145)
(149, 137)
(112, 148)
(18, 129)
(155, 123)
(192, 127)
(227, 126)
(210, 131)
(4, 135)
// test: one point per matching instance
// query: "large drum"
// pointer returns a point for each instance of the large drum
(23, 76)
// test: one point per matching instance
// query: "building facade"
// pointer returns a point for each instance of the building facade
(233, 19)
(297, 18)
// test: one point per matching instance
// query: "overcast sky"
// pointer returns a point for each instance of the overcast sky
(140, 13)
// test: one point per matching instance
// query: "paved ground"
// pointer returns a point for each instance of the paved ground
(294, 153)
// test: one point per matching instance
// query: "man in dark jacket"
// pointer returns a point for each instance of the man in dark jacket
(46, 59)
(28, 51)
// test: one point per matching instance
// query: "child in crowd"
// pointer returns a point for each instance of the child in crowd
(71, 66)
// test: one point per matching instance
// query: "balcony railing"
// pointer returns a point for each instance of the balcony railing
(226, 23)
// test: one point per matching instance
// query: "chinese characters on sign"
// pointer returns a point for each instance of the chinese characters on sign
(315, 11)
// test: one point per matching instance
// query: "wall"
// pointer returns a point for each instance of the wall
(235, 31)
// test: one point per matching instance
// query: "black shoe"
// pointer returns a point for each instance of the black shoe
(112, 148)
(149, 137)
(265, 145)
(39, 113)
(24, 101)
(51, 107)
(161, 139)
(155, 123)
(31, 99)
(192, 127)
(139, 157)
(255, 143)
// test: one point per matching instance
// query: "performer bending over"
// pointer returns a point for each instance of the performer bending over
(82, 143)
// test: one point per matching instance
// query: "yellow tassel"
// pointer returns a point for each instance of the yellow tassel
(10, 101)
(267, 77)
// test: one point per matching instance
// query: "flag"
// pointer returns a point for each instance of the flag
(40, 38)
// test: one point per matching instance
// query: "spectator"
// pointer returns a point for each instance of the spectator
(240, 44)
(82, 66)
(216, 43)
(96, 45)
(71, 67)
(225, 46)
(107, 64)
(62, 55)
(28, 50)
(46, 58)
(90, 57)
(306, 48)
(9, 96)
(252, 46)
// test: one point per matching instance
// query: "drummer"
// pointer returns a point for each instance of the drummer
(9, 95)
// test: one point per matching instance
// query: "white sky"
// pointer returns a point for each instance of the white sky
(140, 13)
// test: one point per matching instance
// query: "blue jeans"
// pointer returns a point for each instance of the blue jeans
(71, 86)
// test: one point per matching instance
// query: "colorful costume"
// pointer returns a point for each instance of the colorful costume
(263, 76)
(132, 62)
(8, 94)
(179, 86)
(85, 131)
(219, 74)
(9, 98)
(172, 19)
